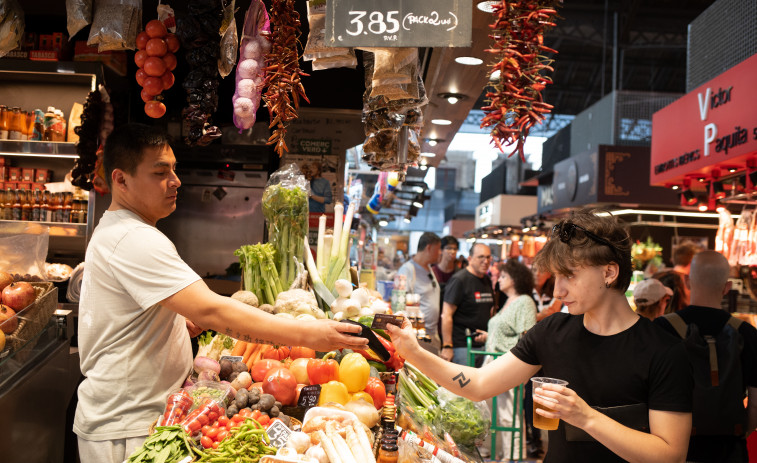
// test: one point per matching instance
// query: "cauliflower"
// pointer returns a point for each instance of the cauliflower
(297, 302)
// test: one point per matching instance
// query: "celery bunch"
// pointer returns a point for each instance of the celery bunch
(259, 272)
(285, 208)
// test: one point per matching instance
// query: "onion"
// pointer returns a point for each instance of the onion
(343, 288)
(299, 441)
(361, 295)
(365, 412)
(204, 363)
(208, 375)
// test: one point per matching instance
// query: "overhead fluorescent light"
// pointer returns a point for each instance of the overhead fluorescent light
(417, 204)
(383, 223)
(469, 60)
(708, 215)
(441, 122)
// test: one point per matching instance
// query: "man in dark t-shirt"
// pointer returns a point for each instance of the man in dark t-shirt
(709, 283)
(468, 303)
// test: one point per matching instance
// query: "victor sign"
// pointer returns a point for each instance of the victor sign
(716, 124)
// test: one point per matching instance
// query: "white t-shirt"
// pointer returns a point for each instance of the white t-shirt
(423, 282)
(134, 352)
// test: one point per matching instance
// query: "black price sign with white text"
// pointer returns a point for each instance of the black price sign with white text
(398, 23)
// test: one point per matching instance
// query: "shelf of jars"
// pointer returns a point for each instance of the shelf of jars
(45, 149)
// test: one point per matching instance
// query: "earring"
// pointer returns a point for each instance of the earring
(607, 284)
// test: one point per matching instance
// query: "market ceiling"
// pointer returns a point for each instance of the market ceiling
(651, 38)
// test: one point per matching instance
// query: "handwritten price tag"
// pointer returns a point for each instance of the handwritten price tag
(278, 433)
(398, 23)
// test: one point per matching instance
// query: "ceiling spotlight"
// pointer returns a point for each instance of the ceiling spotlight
(732, 170)
(433, 141)
(441, 121)
(417, 204)
(383, 223)
(469, 60)
(485, 235)
(718, 190)
(675, 187)
(487, 6)
(526, 230)
(689, 198)
(406, 220)
(453, 98)
(703, 207)
(429, 155)
(423, 167)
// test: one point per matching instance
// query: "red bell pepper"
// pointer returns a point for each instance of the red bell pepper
(395, 362)
(321, 371)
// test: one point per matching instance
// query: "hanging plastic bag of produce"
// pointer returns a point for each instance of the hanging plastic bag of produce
(11, 26)
(316, 49)
(78, 15)
(250, 71)
(285, 207)
(115, 24)
(229, 41)
(466, 422)
(24, 249)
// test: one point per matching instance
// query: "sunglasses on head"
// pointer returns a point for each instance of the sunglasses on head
(567, 230)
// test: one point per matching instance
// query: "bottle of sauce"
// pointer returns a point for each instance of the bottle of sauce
(36, 205)
(8, 204)
(29, 125)
(67, 200)
(4, 122)
(84, 207)
(26, 206)
(3, 207)
(16, 208)
(16, 128)
(61, 132)
(49, 121)
(57, 207)
(46, 211)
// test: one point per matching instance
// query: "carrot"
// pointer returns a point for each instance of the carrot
(239, 348)
(257, 354)
(248, 351)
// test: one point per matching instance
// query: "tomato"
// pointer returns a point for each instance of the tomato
(156, 47)
(170, 61)
(155, 28)
(193, 426)
(261, 367)
(273, 420)
(237, 418)
(263, 420)
(215, 445)
(205, 429)
(245, 412)
(154, 66)
(276, 352)
(203, 419)
(155, 109)
(142, 39)
(300, 352)
(153, 85)
(168, 80)
(146, 96)
(281, 384)
(223, 420)
(206, 442)
(212, 432)
(172, 42)
(213, 416)
(141, 75)
(140, 57)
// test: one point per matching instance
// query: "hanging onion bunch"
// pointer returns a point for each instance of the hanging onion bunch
(516, 104)
(282, 80)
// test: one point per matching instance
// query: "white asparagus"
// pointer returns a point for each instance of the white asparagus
(328, 447)
(364, 443)
(328, 240)
(341, 446)
(321, 236)
(338, 211)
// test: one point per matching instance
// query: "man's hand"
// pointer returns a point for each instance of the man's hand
(329, 335)
(447, 353)
(193, 329)
(481, 336)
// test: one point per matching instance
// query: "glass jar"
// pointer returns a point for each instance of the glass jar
(4, 124)
(388, 453)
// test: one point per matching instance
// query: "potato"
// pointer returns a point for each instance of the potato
(226, 368)
(266, 402)
(238, 367)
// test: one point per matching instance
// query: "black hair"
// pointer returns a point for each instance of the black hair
(523, 278)
(447, 240)
(126, 145)
(427, 239)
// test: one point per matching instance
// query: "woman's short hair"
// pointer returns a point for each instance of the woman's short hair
(523, 279)
(609, 244)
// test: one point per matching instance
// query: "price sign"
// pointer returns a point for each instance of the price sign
(278, 433)
(309, 396)
(398, 23)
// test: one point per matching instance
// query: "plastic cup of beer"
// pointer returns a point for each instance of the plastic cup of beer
(542, 422)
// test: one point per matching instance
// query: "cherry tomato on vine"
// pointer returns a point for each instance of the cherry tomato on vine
(140, 57)
(153, 85)
(170, 60)
(155, 28)
(168, 81)
(141, 75)
(156, 110)
(154, 66)
(172, 42)
(142, 39)
(156, 47)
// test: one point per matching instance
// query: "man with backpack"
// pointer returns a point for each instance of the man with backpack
(723, 355)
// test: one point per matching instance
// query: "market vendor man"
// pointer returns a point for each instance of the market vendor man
(629, 391)
(140, 302)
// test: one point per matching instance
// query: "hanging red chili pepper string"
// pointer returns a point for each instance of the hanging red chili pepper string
(516, 103)
(282, 80)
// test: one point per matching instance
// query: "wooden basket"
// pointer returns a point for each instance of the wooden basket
(32, 319)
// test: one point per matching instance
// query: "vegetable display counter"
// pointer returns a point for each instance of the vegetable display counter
(37, 382)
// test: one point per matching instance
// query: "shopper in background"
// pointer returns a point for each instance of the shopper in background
(651, 298)
(468, 304)
(444, 270)
(736, 361)
(610, 356)
(320, 188)
(682, 256)
(505, 330)
(421, 280)
(675, 281)
(140, 302)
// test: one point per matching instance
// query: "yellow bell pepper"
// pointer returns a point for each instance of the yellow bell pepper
(362, 395)
(333, 391)
(354, 372)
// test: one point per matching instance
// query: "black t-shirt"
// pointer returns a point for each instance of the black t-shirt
(710, 322)
(474, 299)
(642, 364)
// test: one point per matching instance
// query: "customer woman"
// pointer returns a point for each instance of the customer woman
(504, 330)
(611, 357)
(675, 281)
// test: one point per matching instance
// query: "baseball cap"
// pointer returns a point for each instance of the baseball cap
(650, 291)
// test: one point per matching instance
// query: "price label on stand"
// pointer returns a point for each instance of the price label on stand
(398, 23)
(309, 396)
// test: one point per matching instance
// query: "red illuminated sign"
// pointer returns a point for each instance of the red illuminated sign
(716, 124)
